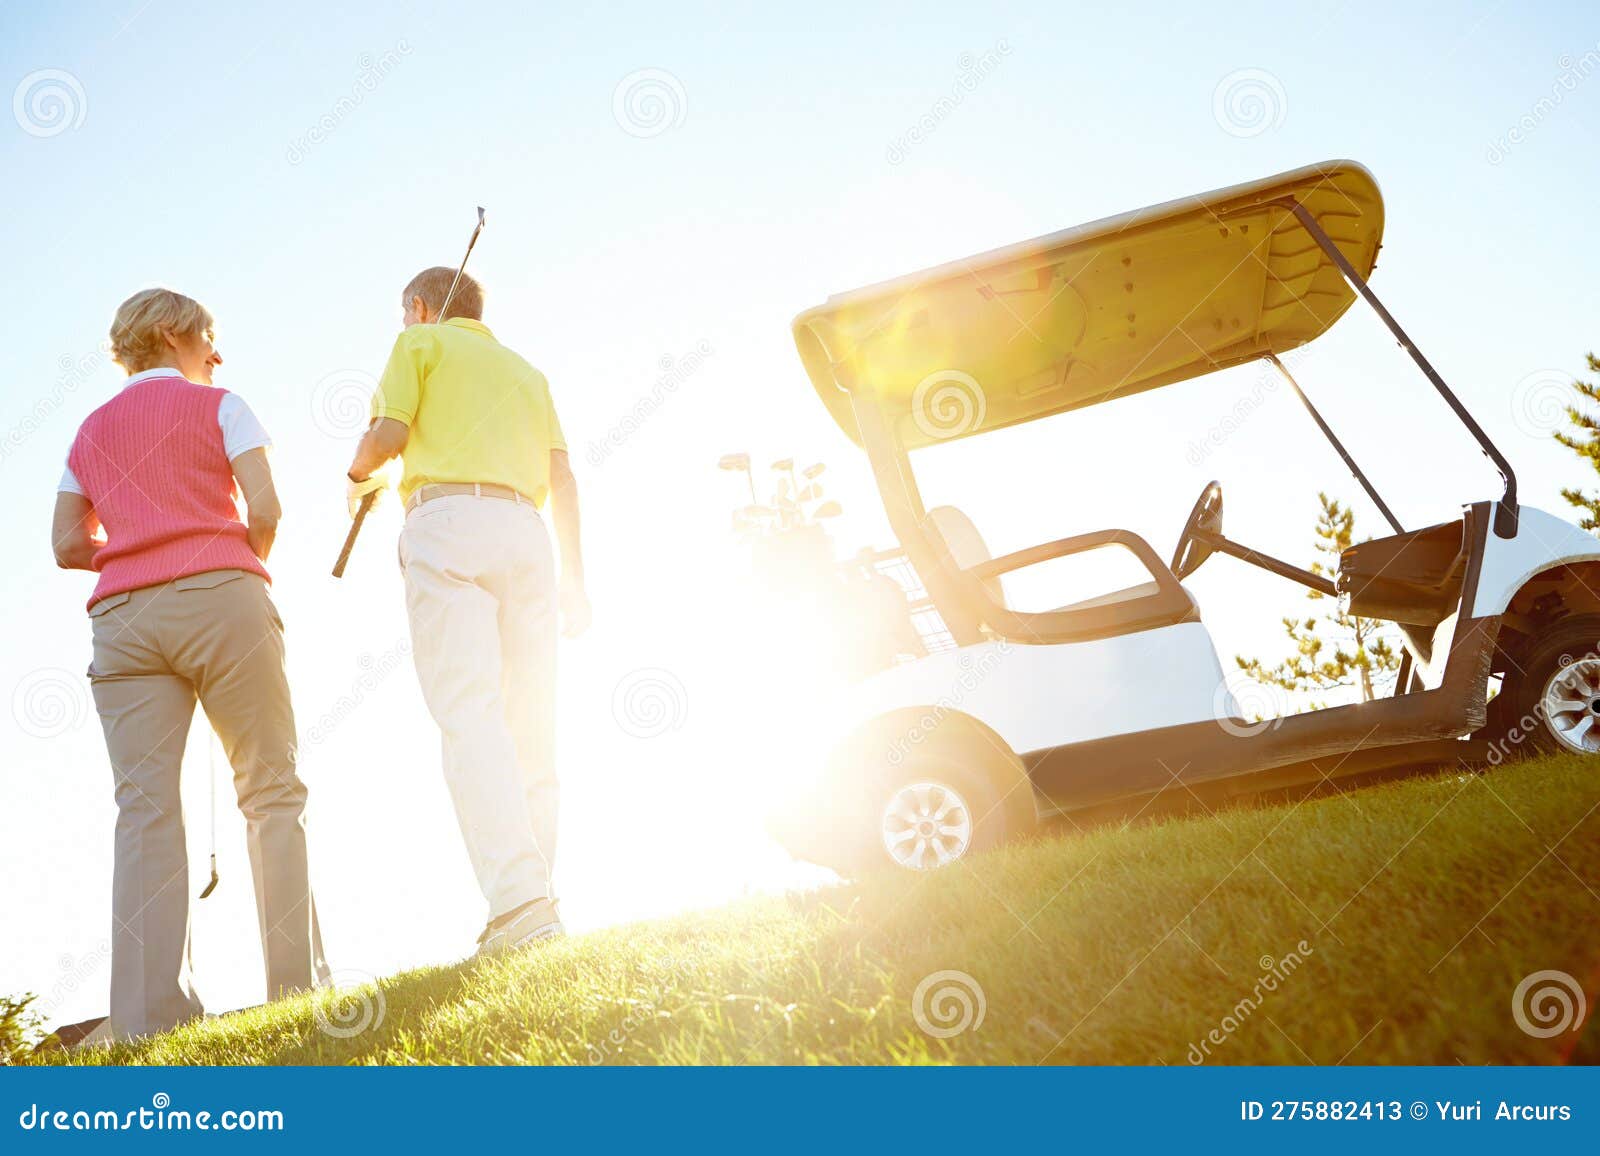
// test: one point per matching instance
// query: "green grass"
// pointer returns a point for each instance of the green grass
(1421, 905)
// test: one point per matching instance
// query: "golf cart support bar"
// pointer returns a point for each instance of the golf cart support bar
(1334, 441)
(1505, 516)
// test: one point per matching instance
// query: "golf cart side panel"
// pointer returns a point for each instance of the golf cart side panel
(1048, 696)
(1106, 309)
(1542, 541)
(1138, 765)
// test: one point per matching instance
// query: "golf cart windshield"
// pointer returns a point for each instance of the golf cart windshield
(1095, 312)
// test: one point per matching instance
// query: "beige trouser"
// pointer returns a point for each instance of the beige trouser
(480, 592)
(216, 636)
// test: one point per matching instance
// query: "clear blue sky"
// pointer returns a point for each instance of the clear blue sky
(781, 173)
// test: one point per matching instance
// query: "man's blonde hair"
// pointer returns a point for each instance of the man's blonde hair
(137, 332)
(432, 285)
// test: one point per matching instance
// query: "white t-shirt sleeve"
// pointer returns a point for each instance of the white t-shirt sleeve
(242, 431)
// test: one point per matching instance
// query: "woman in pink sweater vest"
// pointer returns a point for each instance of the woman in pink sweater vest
(181, 613)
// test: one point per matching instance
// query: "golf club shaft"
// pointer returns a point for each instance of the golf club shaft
(366, 502)
(355, 529)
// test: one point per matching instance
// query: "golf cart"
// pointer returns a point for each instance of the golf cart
(1024, 715)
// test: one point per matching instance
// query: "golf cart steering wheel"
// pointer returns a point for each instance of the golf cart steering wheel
(1207, 517)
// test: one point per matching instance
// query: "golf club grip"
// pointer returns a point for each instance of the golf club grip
(355, 528)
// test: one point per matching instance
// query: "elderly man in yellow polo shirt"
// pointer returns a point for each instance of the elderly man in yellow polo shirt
(482, 449)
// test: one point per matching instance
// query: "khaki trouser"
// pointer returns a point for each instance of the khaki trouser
(480, 592)
(217, 636)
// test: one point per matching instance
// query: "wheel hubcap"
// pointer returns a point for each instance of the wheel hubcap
(926, 825)
(1572, 706)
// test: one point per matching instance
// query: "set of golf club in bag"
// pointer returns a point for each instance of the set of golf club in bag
(338, 572)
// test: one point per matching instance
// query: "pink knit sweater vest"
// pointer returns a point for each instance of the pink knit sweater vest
(151, 462)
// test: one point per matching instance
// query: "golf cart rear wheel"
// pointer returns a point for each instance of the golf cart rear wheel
(1553, 702)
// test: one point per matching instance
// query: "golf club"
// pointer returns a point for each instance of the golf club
(211, 774)
(739, 462)
(366, 502)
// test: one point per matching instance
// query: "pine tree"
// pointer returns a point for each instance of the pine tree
(1586, 444)
(1333, 649)
(19, 1028)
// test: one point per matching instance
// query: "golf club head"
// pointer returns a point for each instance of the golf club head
(827, 510)
(783, 464)
(812, 473)
(810, 494)
(733, 462)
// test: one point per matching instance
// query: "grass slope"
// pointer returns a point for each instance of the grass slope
(1421, 906)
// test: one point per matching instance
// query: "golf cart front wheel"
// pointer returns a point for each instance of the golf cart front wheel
(1553, 702)
(929, 815)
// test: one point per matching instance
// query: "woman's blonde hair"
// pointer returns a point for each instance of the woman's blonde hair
(137, 341)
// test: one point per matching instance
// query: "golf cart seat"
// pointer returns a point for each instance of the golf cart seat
(968, 551)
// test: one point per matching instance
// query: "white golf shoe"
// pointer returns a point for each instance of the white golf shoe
(526, 926)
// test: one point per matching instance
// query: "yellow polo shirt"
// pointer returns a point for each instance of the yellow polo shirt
(478, 412)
